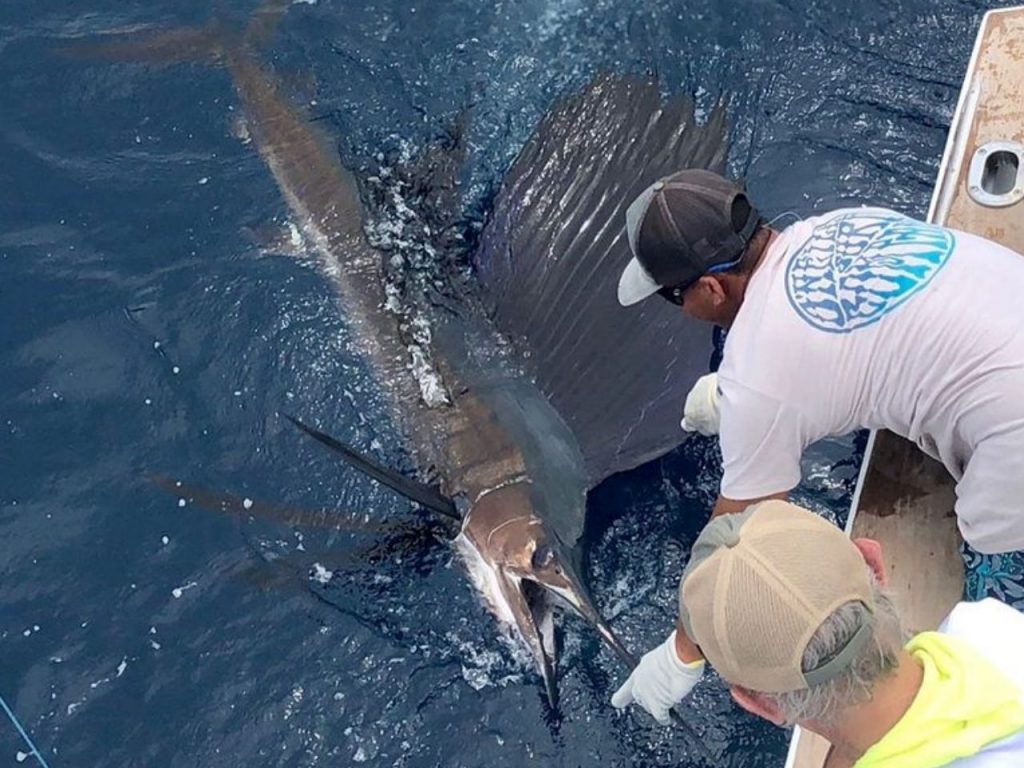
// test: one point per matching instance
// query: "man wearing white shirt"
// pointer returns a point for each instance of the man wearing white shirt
(860, 318)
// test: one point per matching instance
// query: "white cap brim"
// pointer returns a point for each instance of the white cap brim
(635, 285)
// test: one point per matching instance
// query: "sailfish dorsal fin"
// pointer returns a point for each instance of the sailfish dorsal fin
(551, 257)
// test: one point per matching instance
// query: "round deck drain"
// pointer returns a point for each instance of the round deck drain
(996, 176)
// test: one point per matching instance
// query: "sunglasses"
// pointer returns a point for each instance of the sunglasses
(673, 294)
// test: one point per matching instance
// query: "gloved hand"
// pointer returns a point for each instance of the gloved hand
(660, 681)
(700, 413)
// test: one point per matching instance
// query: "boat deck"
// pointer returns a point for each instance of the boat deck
(904, 499)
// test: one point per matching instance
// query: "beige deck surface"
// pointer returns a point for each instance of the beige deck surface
(906, 500)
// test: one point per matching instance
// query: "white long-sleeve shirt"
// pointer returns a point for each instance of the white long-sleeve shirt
(866, 318)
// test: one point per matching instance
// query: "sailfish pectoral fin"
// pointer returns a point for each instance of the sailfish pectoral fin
(413, 490)
(228, 503)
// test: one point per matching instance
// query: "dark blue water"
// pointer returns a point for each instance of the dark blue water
(155, 321)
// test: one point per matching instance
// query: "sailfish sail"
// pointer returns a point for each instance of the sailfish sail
(551, 256)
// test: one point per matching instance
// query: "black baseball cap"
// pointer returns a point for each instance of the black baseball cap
(682, 227)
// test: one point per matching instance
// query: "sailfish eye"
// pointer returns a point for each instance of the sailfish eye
(543, 556)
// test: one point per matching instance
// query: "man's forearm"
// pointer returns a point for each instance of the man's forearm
(686, 649)
(726, 506)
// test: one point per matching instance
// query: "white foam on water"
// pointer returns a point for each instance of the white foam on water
(294, 700)
(393, 302)
(485, 668)
(432, 388)
(552, 19)
(366, 748)
(320, 574)
(415, 325)
(240, 129)
(179, 591)
(411, 265)
(295, 238)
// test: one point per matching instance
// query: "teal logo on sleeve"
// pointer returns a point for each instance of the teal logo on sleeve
(858, 267)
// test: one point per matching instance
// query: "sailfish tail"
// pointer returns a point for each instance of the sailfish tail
(264, 20)
(208, 43)
(171, 46)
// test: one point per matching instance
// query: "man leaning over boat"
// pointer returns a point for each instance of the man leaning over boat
(825, 648)
(859, 318)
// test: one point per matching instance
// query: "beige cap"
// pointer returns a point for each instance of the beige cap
(760, 584)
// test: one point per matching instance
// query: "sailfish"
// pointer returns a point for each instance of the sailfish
(542, 386)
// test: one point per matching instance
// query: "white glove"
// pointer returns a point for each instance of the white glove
(660, 681)
(700, 414)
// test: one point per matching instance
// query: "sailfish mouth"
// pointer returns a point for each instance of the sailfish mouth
(530, 609)
(531, 601)
(573, 594)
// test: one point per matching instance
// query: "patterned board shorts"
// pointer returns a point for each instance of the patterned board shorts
(999, 576)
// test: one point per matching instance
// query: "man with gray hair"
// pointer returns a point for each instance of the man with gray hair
(824, 648)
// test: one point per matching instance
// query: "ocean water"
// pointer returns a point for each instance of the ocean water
(158, 313)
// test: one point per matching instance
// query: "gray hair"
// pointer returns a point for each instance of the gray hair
(877, 659)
